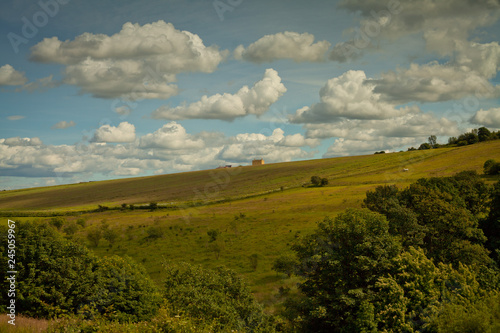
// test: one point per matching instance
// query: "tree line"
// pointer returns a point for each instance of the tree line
(420, 259)
(469, 138)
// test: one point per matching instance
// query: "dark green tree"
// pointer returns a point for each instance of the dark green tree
(217, 295)
(491, 167)
(491, 224)
(316, 180)
(213, 234)
(432, 141)
(124, 291)
(285, 264)
(488, 165)
(110, 235)
(57, 277)
(340, 262)
(154, 232)
(424, 146)
(94, 236)
(58, 222)
(70, 228)
(483, 134)
(439, 214)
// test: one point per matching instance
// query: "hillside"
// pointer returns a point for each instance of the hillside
(253, 215)
(241, 182)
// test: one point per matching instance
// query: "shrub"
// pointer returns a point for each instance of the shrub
(94, 236)
(110, 235)
(81, 222)
(491, 167)
(57, 277)
(217, 296)
(125, 292)
(212, 235)
(70, 228)
(153, 206)
(154, 232)
(285, 264)
(57, 222)
(316, 180)
(101, 208)
(425, 146)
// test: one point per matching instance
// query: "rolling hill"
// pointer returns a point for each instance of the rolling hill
(241, 182)
(257, 210)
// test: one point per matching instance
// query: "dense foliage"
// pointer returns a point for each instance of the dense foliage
(57, 277)
(60, 279)
(414, 260)
(216, 296)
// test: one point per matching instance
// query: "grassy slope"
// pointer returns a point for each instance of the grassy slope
(208, 185)
(264, 224)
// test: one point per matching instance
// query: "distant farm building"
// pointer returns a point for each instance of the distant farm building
(258, 162)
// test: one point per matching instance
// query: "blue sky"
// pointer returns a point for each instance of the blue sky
(95, 90)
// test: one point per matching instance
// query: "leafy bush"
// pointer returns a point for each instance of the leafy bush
(153, 206)
(491, 167)
(285, 264)
(110, 235)
(57, 277)
(81, 222)
(212, 235)
(440, 215)
(154, 232)
(70, 228)
(217, 296)
(318, 181)
(424, 146)
(124, 291)
(94, 236)
(58, 222)
(357, 278)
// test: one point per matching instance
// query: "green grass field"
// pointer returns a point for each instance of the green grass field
(258, 210)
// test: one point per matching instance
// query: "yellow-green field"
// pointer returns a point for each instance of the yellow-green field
(258, 210)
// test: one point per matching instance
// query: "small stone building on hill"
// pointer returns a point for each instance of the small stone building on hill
(258, 162)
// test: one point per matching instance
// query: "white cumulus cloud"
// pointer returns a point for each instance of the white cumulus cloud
(139, 62)
(18, 141)
(124, 132)
(11, 77)
(432, 82)
(348, 96)
(413, 125)
(489, 117)
(255, 100)
(170, 148)
(170, 136)
(275, 147)
(284, 45)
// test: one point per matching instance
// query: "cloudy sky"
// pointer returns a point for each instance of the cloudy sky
(101, 89)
